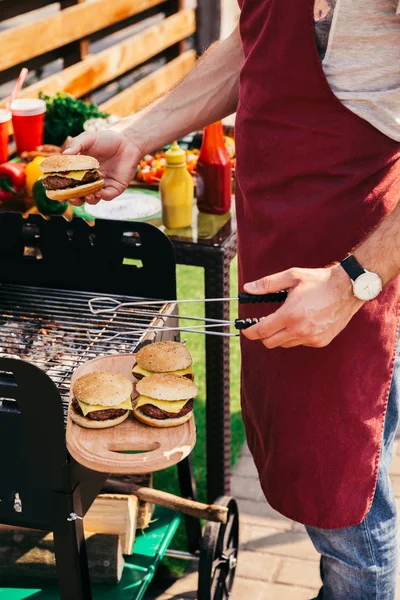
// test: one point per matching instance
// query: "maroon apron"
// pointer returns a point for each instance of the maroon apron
(312, 180)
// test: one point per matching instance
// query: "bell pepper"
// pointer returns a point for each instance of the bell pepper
(44, 205)
(33, 172)
(12, 180)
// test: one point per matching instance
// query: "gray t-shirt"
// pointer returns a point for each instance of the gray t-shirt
(359, 44)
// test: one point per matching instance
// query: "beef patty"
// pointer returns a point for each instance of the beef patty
(99, 415)
(55, 182)
(156, 413)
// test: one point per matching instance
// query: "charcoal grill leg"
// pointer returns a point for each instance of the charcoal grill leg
(70, 548)
(218, 426)
(188, 489)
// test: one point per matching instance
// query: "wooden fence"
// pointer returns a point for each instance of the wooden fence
(121, 53)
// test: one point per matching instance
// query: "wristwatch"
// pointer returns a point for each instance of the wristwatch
(366, 285)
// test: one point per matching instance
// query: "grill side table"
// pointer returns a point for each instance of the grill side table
(211, 244)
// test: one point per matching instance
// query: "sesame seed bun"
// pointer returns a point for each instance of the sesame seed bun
(162, 422)
(90, 424)
(63, 162)
(107, 389)
(78, 191)
(163, 357)
(161, 386)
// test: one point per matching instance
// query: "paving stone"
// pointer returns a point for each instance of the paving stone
(395, 468)
(262, 514)
(185, 586)
(256, 565)
(257, 590)
(282, 543)
(299, 572)
(245, 467)
(245, 451)
(298, 527)
(244, 533)
(248, 488)
(396, 484)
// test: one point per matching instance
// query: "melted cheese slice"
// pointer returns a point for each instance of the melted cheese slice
(78, 175)
(87, 408)
(141, 371)
(171, 407)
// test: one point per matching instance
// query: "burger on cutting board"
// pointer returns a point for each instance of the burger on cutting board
(164, 400)
(101, 399)
(163, 357)
(66, 176)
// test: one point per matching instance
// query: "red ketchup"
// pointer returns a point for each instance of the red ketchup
(214, 173)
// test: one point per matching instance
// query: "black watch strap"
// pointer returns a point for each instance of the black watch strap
(352, 267)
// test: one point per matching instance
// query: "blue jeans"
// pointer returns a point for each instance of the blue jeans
(360, 562)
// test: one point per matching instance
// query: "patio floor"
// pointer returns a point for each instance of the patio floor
(277, 560)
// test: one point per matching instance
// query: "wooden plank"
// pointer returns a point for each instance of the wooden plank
(75, 51)
(114, 514)
(29, 554)
(98, 69)
(64, 27)
(151, 87)
(11, 8)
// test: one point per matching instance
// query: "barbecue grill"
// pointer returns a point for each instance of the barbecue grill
(49, 270)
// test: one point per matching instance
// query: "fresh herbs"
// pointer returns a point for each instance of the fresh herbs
(65, 116)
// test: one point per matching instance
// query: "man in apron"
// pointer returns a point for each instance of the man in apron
(316, 86)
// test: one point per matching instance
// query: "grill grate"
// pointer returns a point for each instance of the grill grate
(49, 328)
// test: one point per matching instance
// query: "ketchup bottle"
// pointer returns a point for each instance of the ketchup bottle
(214, 173)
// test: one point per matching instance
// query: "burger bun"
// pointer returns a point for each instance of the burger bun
(164, 357)
(75, 192)
(66, 162)
(90, 424)
(161, 422)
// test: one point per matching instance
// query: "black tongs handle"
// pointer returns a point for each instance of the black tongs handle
(245, 298)
(246, 323)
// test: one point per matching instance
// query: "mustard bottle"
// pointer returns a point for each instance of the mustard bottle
(176, 190)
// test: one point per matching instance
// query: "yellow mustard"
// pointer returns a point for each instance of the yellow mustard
(176, 190)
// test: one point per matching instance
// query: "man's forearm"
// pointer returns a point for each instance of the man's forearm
(380, 251)
(207, 94)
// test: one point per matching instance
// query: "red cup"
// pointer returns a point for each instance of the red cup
(5, 118)
(28, 123)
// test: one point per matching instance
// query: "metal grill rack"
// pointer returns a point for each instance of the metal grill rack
(55, 330)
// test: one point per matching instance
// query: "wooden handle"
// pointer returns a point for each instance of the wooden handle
(209, 512)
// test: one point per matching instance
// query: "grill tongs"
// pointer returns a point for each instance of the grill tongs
(139, 308)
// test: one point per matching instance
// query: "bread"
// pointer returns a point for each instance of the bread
(104, 388)
(163, 357)
(161, 422)
(75, 192)
(90, 424)
(168, 387)
(65, 162)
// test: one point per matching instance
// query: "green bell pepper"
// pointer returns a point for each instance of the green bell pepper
(46, 206)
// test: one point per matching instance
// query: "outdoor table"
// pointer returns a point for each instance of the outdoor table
(210, 243)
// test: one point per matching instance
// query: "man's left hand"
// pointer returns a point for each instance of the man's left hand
(319, 305)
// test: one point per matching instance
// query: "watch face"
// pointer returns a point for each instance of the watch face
(367, 286)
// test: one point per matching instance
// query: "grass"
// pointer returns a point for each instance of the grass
(191, 285)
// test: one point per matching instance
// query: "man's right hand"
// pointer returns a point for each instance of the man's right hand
(118, 157)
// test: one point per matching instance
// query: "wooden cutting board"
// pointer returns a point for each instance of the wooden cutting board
(105, 450)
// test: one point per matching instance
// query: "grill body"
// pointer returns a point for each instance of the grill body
(48, 271)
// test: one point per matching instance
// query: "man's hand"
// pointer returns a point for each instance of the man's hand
(118, 157)
(319, 305)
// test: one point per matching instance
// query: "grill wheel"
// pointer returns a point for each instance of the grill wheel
(218, 555)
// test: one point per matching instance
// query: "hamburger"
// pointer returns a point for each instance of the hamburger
(66, 177)
(101, 400)
(163, 357)
(164, 400)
